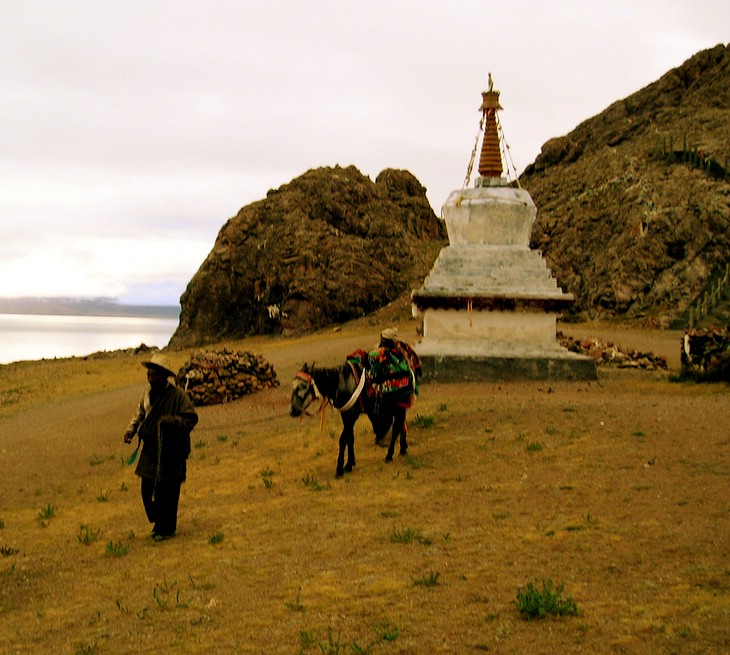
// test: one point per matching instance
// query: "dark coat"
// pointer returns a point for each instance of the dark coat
(164, 428)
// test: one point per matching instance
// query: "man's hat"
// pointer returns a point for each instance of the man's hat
(159, 361)
(389, 333)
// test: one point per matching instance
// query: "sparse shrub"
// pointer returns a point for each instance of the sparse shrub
(314, 484)
(424, 421)
(165, 592)
(103, 496)
(429, 580)
(7, 551)
(295, 605)
(86, 535)
(415, 462)
(387, 631)
(85, 649)
(47, 512)
(539, 603)
(117, 549)
(200, 443)
(408, 535)
(534, 447)
(333, 645)
(307, 639)
(267, 475)
(216, 538)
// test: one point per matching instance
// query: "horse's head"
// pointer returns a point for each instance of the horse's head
(304, 391)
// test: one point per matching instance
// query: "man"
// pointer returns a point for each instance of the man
(164, 419)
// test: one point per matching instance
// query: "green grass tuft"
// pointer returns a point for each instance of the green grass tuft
(117, 549)
(86, 535)
(549, 601)
(429, 580)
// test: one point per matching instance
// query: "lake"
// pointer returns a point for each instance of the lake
(30, 336)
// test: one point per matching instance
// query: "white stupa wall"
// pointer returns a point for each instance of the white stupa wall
(488, 333)
(488, 294)
(489, 215)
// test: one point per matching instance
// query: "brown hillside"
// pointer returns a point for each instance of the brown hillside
(634, 204)
(330, 246)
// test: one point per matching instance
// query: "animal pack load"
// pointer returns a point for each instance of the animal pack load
(391, 374)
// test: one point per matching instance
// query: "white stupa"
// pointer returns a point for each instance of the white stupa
(490, 304)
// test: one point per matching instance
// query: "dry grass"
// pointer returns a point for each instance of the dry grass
(618, 489)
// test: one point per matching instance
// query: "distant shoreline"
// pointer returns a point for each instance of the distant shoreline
(84, 307)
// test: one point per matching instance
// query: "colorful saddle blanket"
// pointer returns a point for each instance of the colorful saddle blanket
(391, 375)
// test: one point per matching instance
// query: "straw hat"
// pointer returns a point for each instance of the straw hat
(391, 334)
(159, 361)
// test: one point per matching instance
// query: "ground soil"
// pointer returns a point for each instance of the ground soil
(616, 489)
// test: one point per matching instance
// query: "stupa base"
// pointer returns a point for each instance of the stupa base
(461, 368)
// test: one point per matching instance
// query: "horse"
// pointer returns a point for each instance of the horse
(344, 389)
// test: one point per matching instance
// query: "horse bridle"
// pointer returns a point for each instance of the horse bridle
(317, 394)
(311, 388)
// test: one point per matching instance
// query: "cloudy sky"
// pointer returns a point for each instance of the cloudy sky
(130, 131)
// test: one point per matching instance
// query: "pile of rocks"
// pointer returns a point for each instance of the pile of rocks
(607, 353)
(219, 376)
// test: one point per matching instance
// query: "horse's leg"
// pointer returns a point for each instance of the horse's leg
(347, 440)
(381, 425)
(341, 456)
(404, 435)
(350, 442)
(399, 418)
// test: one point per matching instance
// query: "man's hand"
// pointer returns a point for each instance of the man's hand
(128, 436)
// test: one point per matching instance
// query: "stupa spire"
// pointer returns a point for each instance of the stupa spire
(490, 160)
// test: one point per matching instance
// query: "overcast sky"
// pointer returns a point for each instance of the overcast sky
(130, 131)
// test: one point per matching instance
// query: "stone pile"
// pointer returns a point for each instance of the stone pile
(607, 353)
(213, 377)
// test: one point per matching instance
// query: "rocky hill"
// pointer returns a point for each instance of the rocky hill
(633, 218)
(330, 246)
(634, 204)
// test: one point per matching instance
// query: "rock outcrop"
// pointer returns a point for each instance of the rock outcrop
(634, 204)
(330, 246)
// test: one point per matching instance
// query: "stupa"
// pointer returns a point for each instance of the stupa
(490, 304)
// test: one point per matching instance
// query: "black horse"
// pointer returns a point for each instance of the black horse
(345, 388)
